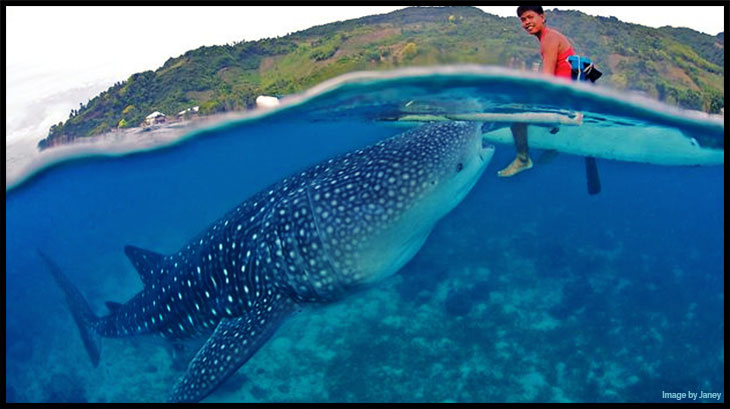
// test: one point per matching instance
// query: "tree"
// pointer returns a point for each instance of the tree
(409, 51)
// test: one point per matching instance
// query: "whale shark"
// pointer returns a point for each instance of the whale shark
(314, 237)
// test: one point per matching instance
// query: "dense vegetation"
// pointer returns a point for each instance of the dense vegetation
(678, 66)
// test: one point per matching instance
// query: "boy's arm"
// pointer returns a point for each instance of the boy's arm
(549, 48)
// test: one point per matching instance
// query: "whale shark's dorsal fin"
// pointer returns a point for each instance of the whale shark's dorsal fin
(148, 263)
(232, 343)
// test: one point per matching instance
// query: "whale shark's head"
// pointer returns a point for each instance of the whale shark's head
(452, 157)
(374, 208)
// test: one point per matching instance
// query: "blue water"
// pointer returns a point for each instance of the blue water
(529, 291)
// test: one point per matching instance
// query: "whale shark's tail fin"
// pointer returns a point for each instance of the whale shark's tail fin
(85, 318)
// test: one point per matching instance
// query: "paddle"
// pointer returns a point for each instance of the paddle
(592, 180)
(588, 72)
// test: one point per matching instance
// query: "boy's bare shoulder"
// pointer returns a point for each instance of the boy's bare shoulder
(552, 37)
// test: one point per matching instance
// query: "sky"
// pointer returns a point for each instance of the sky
(60, 56)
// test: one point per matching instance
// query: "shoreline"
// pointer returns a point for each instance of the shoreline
(28, 161)
(120, 142)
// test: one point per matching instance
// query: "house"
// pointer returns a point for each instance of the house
(265, 102)
(188, 112)
(154, 118)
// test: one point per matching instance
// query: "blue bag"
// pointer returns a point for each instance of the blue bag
(583, 69)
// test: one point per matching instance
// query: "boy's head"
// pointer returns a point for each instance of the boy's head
(532, 18)
(536, 9)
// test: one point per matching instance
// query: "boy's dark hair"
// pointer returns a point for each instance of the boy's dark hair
(522, 9)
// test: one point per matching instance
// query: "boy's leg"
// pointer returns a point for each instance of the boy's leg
(522, 161)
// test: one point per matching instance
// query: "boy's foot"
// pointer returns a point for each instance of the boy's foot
(517, 166)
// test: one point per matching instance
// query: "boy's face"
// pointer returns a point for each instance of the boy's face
(532, 22)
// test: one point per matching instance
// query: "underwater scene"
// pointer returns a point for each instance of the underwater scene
(443, 283)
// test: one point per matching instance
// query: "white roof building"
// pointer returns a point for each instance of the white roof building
(189, 110)
(155, 115)
(155, 118)
(265, 101)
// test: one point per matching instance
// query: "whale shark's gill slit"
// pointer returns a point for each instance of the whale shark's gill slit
(319, 233)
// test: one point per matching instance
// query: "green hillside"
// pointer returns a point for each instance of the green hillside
(678, 66)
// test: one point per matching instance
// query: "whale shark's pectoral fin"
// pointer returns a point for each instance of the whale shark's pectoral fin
(232, 343)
